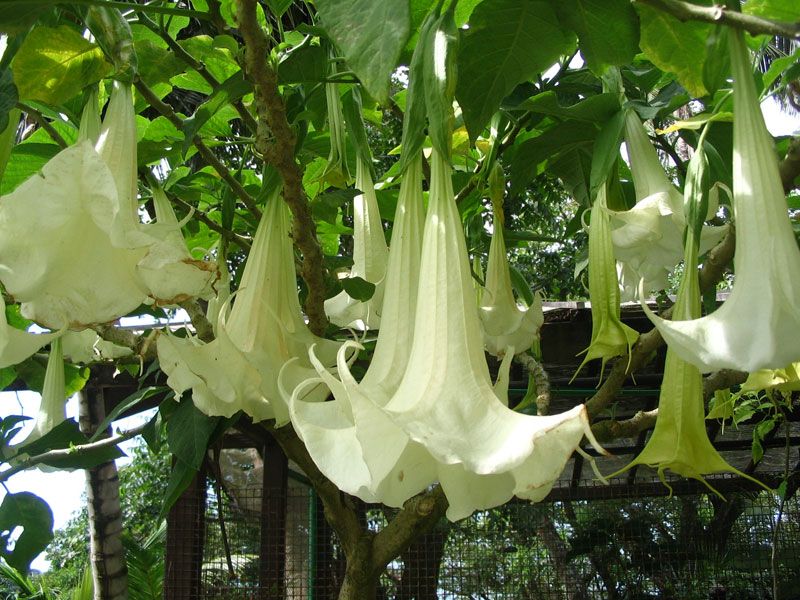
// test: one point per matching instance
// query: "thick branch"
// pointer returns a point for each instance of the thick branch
(686, 11)
(536, 371)
(208, 156)
(713, 269)
(608, 430)
(419, 515)
(202, 326)
(276, 142)
(32, 461)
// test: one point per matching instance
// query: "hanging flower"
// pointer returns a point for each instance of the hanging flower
(168, 271)
(52, 410)
(679, 441)
(446, 402)
(648, 238)
(70, 237)
(88, 347)
(350, 438)
(265, 328)
(17, 345)
(505, 323)
(758, 326)
(610, 336)
(370, 256)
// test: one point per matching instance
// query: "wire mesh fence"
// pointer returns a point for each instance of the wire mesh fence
(693, 546)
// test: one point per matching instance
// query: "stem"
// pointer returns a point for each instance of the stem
(32, 461)
(686, 11)
(40, 120)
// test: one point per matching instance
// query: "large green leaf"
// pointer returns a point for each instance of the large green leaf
(371, 35)
(188, 433)
(30, 512)
(675, 46)
(8, 100)
(779, 10)
(56, 63)
(508, 42)
(597, 109)
(25, 160)
(608, 30)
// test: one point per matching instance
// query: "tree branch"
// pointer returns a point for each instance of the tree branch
(32, 461)
(202, 326)
(276, 142)
(40, 120)
(208, 156)
(686, 11)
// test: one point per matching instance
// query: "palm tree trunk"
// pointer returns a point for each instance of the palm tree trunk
(107, 555)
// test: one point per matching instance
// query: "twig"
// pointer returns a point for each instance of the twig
(276, 142)
(43, 123)
(208, 156)
(31, 461)
(237, 239)
(202, 326)
(686, 11)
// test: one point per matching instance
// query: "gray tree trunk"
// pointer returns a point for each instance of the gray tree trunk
(107, 554)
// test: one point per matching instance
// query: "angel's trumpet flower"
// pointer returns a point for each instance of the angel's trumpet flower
(87, 347)
(370, 255)
(782, 380)
(648, 238)
(52, 410)
(350, 438)
(446, 402)
(17, 345)
(265, 328)
(758, 326)
(70, 238)
(610, 336)
(679, 441)
(168, 271)
(505, 323)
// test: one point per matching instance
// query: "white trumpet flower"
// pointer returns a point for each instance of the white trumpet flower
(758, 326)
(17, 345)
(265, 328)
(52, 410)
(71, 240)
(350, 438)
(370, 256)
(648, 238)
(446, 402)
(505, 323)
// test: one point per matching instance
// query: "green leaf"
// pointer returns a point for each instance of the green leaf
(547, 146)
(8, 100)
(30, 512)
(371, 36)
(778, 10)
(675, 46)
(57, 63)
(179, 479)
(606, 151)
(608, 30)
(8, 375)
(188, 432)
(303, 65)
(358, 288)
(508, 42)
(229, 91)
(129, 402)
(521, 286)
(17, 18)
(595, 109)
(278, 7)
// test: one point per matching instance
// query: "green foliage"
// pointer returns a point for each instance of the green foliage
(34, 516)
